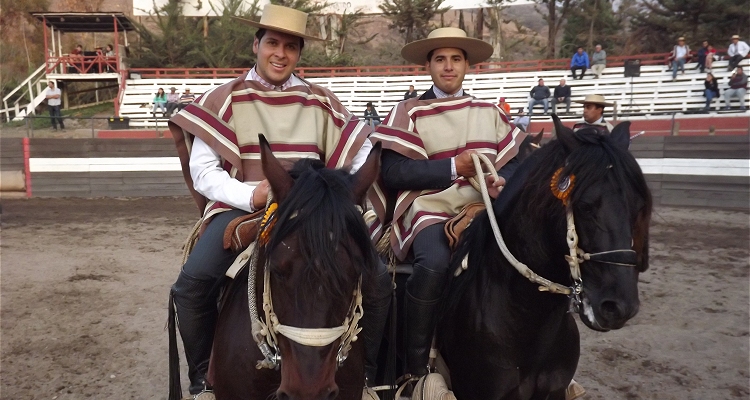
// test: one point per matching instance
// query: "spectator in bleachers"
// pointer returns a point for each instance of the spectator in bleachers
(160, 102)
(539, 95)
(580, 61)
(737, 51)
(679, 56)
(561, 95)
(110, 52)
(706, 56)
(185, 99)
(593, 114)
(712, 90)
(411, 93)
(503, 105)
(371, 115)
(737, 88)
(173, 100)
(522, 120)
(598, 61)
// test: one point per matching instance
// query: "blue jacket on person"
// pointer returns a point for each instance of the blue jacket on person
(580, 60)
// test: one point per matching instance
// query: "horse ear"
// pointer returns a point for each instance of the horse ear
(279, 179)
(366, 175)
(564, 135)
(537, 139)
(620, 136)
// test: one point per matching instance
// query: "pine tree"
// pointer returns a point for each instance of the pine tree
(592, 22)
(412, 17)
(555, 13)
(173, 43)
(657, 24)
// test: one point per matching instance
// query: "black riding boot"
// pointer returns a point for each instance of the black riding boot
(195, 302)
(420, 327)
(376, 306)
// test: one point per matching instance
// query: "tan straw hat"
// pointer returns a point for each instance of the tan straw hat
(282, 19)
(593, 99)
(735, 37)
(681, 38)
(476, 50)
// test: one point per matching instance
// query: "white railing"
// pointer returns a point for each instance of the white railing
(32, 89)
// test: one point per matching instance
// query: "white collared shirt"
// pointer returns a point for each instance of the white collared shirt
(214, 182)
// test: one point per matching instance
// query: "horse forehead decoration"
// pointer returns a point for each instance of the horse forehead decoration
(267, 223)
(562, 186)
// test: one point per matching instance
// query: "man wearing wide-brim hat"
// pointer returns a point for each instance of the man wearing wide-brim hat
(736, 51)
(593, 113)
(425, 163)
(217, 141)
(679, 56)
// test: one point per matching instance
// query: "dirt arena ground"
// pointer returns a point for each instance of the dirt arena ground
(84, 285)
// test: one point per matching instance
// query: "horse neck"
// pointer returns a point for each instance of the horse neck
(540, 250)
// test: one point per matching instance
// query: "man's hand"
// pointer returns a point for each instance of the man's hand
(465, 165)
(494, 186)
(260, 195)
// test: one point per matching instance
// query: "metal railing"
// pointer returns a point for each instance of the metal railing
(28, 121)
(24, 89)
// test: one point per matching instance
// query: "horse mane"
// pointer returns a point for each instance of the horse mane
(528, 203)
(320, 209)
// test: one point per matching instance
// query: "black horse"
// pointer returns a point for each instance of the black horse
(502, 337)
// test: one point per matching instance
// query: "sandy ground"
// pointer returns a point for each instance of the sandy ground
(84, 287)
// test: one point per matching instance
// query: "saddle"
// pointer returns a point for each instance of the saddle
(242, 231)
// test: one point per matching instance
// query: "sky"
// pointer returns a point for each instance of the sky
(141, 7)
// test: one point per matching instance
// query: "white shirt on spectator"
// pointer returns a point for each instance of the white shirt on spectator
(740, 48)
(680, 51)
(213, 182)
(51, 92)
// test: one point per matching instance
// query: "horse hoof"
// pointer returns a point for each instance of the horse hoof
(574, 391)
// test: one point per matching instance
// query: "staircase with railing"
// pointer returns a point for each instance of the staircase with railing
(22, 100)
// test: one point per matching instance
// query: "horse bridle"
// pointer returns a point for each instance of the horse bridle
(562, 188)
(266, 333)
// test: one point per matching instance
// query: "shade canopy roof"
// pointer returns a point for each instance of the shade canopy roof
(85, 22)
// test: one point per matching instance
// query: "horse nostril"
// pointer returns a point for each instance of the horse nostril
(333, 394)
(281, 395)
(611, 310)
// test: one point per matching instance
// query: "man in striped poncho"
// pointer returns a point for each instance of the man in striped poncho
(427, 144)
(217, 141)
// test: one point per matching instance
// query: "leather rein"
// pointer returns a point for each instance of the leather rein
(562, 188)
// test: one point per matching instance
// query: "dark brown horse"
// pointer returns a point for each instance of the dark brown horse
(316, 254)
(502, 337)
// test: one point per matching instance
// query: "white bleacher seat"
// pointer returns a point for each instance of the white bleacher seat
(653, 92)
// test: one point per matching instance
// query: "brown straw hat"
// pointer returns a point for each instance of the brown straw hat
(735, 37)
(282, 19)
(593, 99)
(476, 50)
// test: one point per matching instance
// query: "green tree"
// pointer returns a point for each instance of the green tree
(21, 41)
(174, 41)
(657, 24)
(412, 17)
(592, 22)
(555, 13)
(229, 43)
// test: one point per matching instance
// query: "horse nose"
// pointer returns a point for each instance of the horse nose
(334, 393)
(329, 393)
(615, 311)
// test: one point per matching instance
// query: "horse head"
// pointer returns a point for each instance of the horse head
(316, 252)
(603, 187)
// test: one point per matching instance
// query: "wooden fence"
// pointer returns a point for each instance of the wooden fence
(704, 171)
